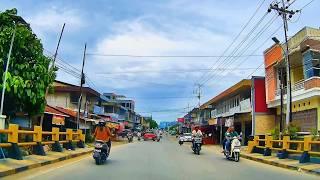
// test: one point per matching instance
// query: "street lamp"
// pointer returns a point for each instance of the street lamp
(289, 111)
(20, 20)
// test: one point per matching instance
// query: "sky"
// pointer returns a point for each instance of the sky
(162, 86)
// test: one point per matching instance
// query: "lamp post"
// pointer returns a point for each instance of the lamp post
(288, 113)
(20, 20)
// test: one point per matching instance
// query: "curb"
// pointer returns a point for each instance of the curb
(279, 164)
(31, 166)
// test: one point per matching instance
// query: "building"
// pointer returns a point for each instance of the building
(244, 106)
(122, 109)
(67, 96)
(304, 54)
(65, 99)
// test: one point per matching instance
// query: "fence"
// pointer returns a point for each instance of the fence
(303, 147)
(37, 142)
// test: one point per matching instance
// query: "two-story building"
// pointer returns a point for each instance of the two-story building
(65, 98)
(243, 106)
(304, 55)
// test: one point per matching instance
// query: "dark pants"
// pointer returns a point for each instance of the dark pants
(226, 144)
(109, 144)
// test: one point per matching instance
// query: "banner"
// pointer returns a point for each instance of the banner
(229, 122)
(58, 120)
(181, 120)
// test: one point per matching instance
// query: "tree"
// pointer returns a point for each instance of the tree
(153, 124)
(29, 73)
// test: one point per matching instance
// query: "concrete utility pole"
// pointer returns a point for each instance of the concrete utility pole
(82, 81)
(284, 12)
(198, 93)
(52, 66)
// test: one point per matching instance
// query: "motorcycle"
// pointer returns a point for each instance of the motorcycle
(130, 138)
(234, 152)
(101, 152)
(196, 145)
(180, 140)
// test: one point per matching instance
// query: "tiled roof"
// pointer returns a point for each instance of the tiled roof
(245, 83)
(51, 110)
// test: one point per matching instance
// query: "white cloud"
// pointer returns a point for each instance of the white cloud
(139, 39)
(51, 20)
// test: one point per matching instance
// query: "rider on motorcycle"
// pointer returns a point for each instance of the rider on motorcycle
(196, 133)
(102, 133)
(228, 138)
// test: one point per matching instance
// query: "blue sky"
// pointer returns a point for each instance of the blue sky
(158, 27)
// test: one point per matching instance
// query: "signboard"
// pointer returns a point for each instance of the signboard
(213, 121)
(58, 120)
(181, 120)
(229, 122)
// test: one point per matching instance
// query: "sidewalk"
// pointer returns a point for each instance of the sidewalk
(11, 166)
(284, 163)
(273, 160)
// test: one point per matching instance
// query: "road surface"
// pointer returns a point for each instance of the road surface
(164, 160)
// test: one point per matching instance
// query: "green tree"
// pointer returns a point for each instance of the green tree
(28, 73)
(153, 124)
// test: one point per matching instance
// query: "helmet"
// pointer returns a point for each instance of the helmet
(102, 123)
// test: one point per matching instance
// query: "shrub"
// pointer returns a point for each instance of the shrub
(275, 133)
(315, 134)
(291, 130)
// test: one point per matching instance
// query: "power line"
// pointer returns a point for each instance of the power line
(238, 35)
(163, 56)
(238, 50)
(172, 71)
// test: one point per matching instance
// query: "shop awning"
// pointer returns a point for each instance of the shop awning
(113, 125)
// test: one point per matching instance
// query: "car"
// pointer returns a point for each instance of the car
(187, 137)
(149, 135)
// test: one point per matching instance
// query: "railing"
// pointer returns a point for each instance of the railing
(296, 87)
(285, 145)
(13, 143)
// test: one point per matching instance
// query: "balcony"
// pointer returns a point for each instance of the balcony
(299, 85)
(300, 90)
(244, 107)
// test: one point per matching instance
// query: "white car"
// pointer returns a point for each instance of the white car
(187, 137)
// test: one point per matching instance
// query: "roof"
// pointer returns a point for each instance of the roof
(53, 111)
(69, 112)
(66, 87)
(243, 84)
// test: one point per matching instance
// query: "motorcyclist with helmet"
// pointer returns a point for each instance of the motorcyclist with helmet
(102, 133)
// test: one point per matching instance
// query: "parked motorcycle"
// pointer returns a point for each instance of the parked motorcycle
(234, 153)
(101, 152)
(196, 145)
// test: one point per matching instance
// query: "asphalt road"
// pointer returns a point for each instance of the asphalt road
(164, 160)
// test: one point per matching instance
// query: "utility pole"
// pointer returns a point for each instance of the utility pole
(281, 97)
(198, 93)
(52, 67)
(82, 81)
(284, 12)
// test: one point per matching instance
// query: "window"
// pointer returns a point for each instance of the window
(311, 64)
